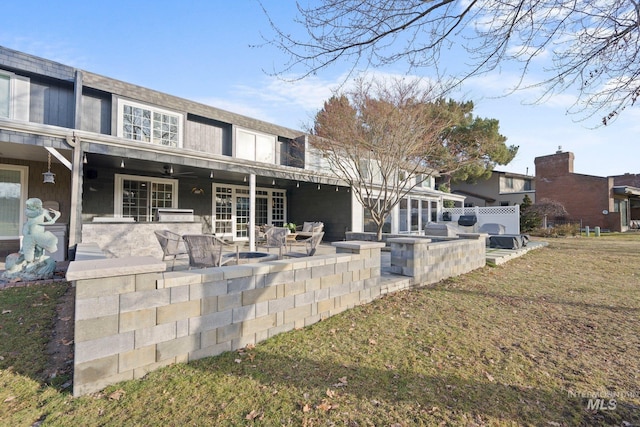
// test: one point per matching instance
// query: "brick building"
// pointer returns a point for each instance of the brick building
(595, 201)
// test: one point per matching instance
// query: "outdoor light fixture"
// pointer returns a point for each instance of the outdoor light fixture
(298, 184)
(211, 175)
(273, 182)
(48, 176)
(122, 163)
(84, 158)
(171, 170)
(318, 186)
(336, 188)
(244, 178)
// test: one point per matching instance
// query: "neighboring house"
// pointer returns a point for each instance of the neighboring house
(501, 189)
(127, 158)
(608, 202)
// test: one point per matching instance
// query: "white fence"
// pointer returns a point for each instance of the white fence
(509, 216)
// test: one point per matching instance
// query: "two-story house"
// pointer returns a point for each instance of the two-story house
(501, 189)
(126, 158)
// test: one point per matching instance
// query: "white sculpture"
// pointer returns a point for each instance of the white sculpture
(32, 263)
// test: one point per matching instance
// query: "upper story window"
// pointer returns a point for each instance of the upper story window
(423, 180)
(255, 146)
(5, 93)
(149, 124)
(14, 96)
(508, 181)
(527, 185)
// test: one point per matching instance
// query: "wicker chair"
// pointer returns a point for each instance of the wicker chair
(205, 250)
(310, 245)
(172, 245)
(275, 237)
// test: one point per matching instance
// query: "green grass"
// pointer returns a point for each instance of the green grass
(27, 316)
(506, 345)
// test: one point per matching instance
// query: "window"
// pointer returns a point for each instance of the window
(508, 181)
(277, 210)
(504, 203)
(527, 185)
(143, 123)
(14, 96)
(13, 195)
(223, 211)
(5, 95)
(255, 146)
(140, 197)
(370, 226)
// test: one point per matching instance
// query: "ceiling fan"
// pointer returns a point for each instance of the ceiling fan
(167, 170)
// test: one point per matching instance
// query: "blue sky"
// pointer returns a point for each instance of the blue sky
(201, 50)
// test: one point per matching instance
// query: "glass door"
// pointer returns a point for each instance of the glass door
(242, 213)
(13, 195)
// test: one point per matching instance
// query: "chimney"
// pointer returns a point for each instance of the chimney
(557, 164)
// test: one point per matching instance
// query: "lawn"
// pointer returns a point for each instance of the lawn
(548, 339)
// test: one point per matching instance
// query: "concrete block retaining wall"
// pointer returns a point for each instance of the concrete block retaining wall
(429, 262)
(132, 317)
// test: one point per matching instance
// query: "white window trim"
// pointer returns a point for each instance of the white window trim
(120, 131)
(118, 194)
(24, 193)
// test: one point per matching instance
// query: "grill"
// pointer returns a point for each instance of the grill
(467, 220)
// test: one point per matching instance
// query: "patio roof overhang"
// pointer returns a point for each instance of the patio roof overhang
(28, 139)
(626, 190)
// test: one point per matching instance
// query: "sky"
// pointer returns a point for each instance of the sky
(213, 52)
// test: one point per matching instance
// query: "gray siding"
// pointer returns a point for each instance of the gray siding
(96, 113)
(207, 136)
(174, 103)
(51, 104)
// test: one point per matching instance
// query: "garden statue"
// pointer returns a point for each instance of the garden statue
(31, 263)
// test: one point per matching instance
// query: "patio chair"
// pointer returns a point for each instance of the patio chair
(205, 250)
(310, 245)
(172, 245)
(275, 237)
(308, 229)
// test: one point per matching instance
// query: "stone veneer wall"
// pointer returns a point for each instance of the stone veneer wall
(429, 262)
(131, 317)
(124, 239)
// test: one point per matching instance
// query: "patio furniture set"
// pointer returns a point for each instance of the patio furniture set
(207, 250)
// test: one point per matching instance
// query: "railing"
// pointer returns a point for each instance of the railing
(509, 216)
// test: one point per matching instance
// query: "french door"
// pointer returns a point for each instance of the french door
(231, 210)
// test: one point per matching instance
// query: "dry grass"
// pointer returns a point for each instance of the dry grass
(512, 345)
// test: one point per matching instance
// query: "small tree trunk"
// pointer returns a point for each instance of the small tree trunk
(379, 231)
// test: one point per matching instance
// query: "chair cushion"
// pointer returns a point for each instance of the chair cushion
(307, 226)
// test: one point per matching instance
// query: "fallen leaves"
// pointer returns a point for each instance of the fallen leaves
(117, 395)
(254, 414)
(342, 382)
(6, 311)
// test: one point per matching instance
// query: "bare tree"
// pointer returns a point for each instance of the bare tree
(594, 45)
(383, 138)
